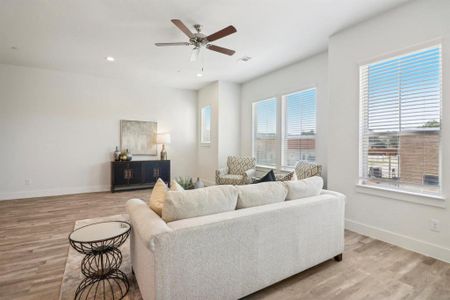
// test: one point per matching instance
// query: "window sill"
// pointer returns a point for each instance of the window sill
(263, 167)
(412, 197)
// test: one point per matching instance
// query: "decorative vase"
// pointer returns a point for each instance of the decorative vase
(163, 154)
(129, 155)
(123, 156)
(117, 154)
(199, 183)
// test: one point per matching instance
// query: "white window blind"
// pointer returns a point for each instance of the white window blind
(299, 130)
(400, 121)
(205, 126)
(265, 132)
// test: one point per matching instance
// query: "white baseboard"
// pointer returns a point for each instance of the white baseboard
(53, 192)
(400, 240)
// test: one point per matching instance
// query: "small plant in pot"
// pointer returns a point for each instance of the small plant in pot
(185, 182)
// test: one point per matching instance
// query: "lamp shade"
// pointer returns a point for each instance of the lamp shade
(163, 138)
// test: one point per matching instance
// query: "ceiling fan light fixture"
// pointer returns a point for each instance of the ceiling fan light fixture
(195, 53)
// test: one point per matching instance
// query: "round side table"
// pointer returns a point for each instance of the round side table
(99, 242)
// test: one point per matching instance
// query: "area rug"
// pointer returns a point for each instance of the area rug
(72, 274)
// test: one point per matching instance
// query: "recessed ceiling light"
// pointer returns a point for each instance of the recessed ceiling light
(199, 74)
(110, 58)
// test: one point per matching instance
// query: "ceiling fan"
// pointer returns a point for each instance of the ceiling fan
(199, 40)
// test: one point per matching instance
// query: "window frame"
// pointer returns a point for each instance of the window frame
(280, 124)
(277, 132)
(284, 125)
(202, 121)
(392, 192)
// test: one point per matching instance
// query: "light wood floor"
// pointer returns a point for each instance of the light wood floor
(33, 250)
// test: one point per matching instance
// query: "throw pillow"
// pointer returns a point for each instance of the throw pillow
(304, 188)
(260, 194)
(158, 195)
(270, 176)
(199, 202)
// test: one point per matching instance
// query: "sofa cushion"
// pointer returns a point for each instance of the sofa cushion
(260, 194)
(199, 202)
(158, 195)
(304, 188)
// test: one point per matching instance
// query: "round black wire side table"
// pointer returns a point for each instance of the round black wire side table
(100, 243)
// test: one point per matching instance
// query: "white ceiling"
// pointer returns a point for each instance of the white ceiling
(77, 35)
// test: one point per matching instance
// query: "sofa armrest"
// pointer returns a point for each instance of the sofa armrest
(146, 223)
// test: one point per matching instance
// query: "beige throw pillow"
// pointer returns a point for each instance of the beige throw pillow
(260, 194)
(158, 196)
(304, 188)
(199, 202)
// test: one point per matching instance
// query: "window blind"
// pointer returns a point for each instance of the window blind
(400, 118)
(299, 131)
(265, 132)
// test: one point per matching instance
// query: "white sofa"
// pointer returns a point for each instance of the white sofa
(233, 254)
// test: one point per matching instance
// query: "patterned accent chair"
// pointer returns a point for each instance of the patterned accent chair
(239, 170)
(305, 169)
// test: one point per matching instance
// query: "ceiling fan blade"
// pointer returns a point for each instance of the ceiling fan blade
(182, 27)
(221, 33)
(172, 44)
(220, 49)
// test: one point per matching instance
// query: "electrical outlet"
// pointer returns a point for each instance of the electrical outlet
(27, 181)
(434, 225)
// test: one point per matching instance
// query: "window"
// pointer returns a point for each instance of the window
(205, 134)
(265, 145)
(299, 128)
(400, 122)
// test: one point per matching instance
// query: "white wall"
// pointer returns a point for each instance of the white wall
(229, 121)
(399, 222)
(59, 129)
(208, 153)
(312, 72)
(225, 124)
